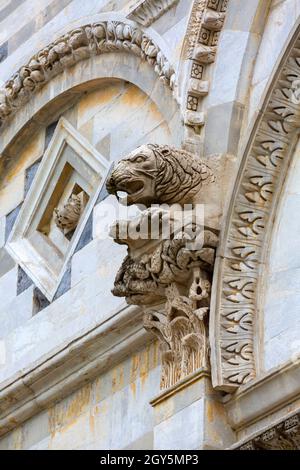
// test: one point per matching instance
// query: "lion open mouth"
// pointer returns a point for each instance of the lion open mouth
(126, 190)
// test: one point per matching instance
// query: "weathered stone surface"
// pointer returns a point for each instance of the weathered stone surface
(78, 372)
(11, 196)
(77, 45)
(24, 281)
(6, 262)
(16, 312)
(2, 231)
(8, 286)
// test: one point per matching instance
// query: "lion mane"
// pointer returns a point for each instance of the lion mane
(175, 175)
(180, 175)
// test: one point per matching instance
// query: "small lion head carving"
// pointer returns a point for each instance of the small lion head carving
(159, 174)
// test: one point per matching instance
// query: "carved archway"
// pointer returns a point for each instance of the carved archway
(237, 290)
(74, 46)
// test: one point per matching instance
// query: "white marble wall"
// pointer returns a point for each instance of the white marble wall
(282, 282)
(111, 412)
(284, 16)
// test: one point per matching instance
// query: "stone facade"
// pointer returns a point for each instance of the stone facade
(113, 340)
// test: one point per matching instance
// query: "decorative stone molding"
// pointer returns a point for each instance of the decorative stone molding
(69, 178)
(148, 11)
(167, 266)
(196, 17)
(205, 54)
(196, 120)
(274, 393)
(206, 21)
(246, 235)
(144, 277)
(213, 20)
(79, 44)
(283, 436)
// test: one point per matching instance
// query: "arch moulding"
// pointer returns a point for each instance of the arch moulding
(76, 45)
(238, 278)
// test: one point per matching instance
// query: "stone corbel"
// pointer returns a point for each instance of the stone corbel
(167, 272)
(213, 20)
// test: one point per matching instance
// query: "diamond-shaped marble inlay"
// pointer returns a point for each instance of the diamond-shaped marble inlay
(57, 207)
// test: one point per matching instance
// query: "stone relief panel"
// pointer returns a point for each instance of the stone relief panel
(166, 268)
(237, 302)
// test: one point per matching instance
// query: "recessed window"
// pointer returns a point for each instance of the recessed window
(57, 207)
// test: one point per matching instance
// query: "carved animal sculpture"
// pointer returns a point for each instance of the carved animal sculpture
(159, 174)
(67, 218)
(142, 281)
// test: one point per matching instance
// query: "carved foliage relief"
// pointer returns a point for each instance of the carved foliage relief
(246, 236)
(79, 44)
(283, 436)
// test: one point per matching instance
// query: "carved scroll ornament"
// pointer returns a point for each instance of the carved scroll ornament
(170, 270)
(79, 44)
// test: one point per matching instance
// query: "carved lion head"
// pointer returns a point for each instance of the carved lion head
(159, 174)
